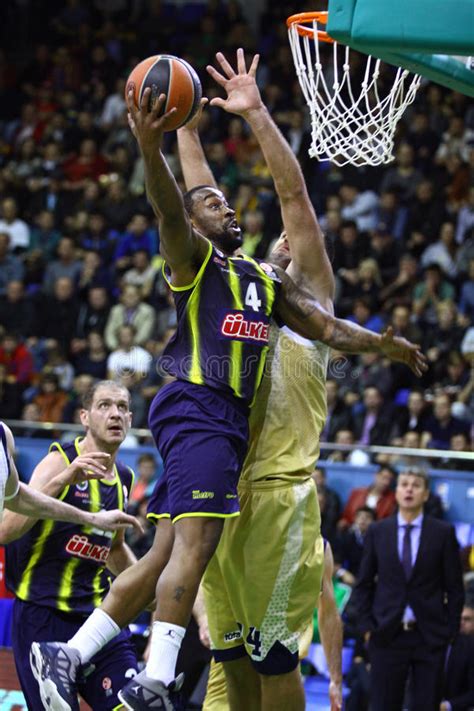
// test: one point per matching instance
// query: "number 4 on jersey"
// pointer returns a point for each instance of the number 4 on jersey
(253, 638)
(251, 297)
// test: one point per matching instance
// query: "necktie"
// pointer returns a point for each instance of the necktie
(406, 551)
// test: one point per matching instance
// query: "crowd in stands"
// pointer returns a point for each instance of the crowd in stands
(81, 287)
(82, 295)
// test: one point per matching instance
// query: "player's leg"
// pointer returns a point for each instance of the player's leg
(34, 622)
(195, 541)
(113, 667)
(56, 665)
(134, 589)
(243, 685)
(282, 692)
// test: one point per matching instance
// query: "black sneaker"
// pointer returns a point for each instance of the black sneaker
(142, 693)
(54, 667)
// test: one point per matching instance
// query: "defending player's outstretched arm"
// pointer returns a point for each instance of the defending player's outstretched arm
(182, 247)
(196, 169)
(308, 318)
(310, 262)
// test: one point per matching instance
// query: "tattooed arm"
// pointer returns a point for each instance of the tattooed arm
(308, 318)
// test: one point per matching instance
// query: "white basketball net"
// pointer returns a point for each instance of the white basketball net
(360, 128)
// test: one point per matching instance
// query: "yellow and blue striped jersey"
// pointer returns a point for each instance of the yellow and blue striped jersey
(63, 565)
(223, 324)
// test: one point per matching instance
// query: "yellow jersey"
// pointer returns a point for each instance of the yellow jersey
(289, 411)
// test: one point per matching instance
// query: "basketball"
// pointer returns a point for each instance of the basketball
(169, 75)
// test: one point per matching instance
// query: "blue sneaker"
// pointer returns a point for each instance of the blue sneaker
(55, 667)
(143, 693)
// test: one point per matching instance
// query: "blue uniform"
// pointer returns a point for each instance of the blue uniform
(57, 571)
(200, 422)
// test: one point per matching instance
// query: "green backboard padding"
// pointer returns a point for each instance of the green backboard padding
(431, 26)
(393, 26)
(428, 26)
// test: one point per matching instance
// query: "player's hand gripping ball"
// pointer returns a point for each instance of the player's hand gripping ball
(169, 75)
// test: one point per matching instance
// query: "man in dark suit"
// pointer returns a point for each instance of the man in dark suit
(458, 693)
(409, 597)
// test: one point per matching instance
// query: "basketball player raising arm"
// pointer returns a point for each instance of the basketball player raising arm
(22, 499)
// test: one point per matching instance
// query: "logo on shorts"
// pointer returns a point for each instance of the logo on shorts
(231, 636)
(198, 494)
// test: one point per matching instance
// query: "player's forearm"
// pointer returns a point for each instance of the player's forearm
(120, 558)
(308, 318)
(161, 187)
(330, 630)
(29, 505)
(280, 159)
(196, 170)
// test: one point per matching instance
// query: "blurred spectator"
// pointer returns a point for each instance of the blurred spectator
(412, 417)
(350, 544)
(51, 400)
(466, 301)
(17, 359)
(403, 325)
(142, 273)
(403, 177)
(80, 386)
(363, 314)
(339, 416)
(131, 311)
(443, 252)
(11, 268)
(374, 424)
(442, 338)
(465, 221)
(361, 207)
(128, 358)
(93, 316)
(423, 139)
(441, 425)
(458, 690)
(426, 214)
(57, 313)
(147, 474)
(66, 265)
(56, 363)
(349, 249)
(399, 291)
(455, 142)
(372, 371)
(17, 229)
(10, 396)
(92, 359)
(31, 413)
(385, 252)
(430, 292)
(254, 243)
(363, 283)
(139, 235)
(97, 237)
(391, 217)
(378, 496)
(16, 309)
(356, 457)
(87, 164)
(458, 443)
(44, 236)
(93, 273)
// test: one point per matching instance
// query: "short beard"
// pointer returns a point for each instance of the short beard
(227, 243)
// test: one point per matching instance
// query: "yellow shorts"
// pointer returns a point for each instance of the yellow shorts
(264, 580)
